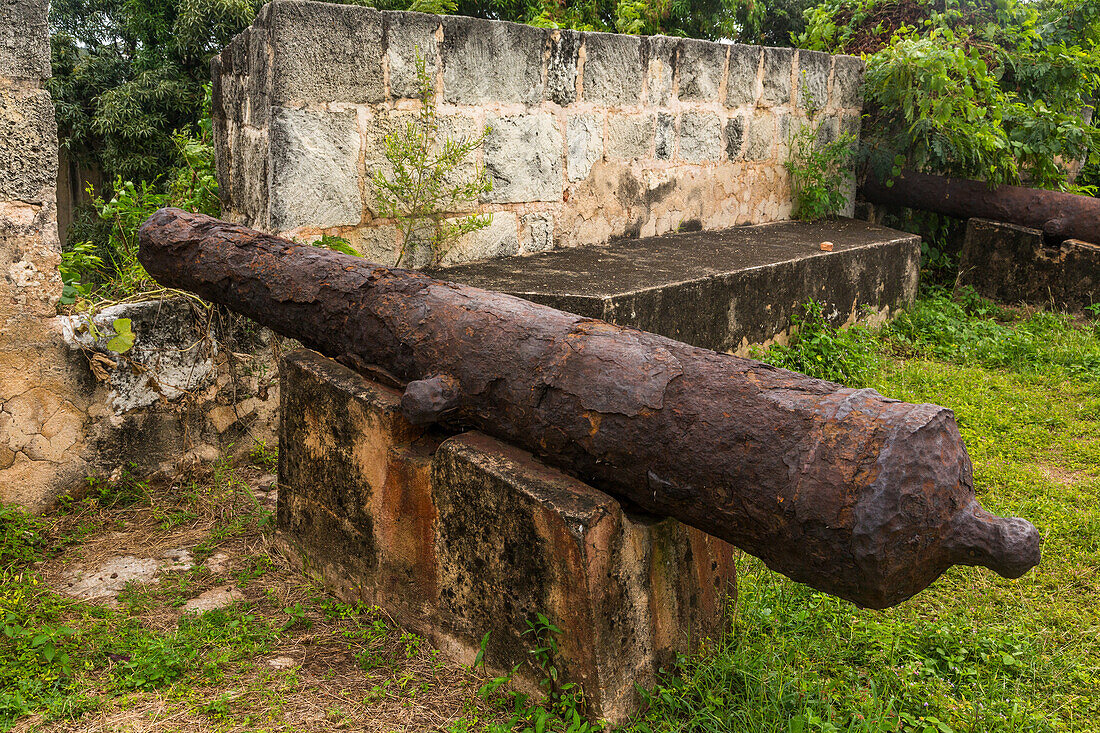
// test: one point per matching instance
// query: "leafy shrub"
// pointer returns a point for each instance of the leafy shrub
(421, 193)
(106, 267)
(965, 329)
(987, 89)
(820, 350)
(820, 172)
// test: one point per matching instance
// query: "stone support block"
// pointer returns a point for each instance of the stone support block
(324, 52)
(629, 136)
(1012, 264)
(701, 65)
(409, 34)
(472, 537)
(700, 137)
(613, 69)
(523, 156)
(813, 79)
(315, 169)
(778, 65)
(492, 61)
(741, 85)
(24, 39)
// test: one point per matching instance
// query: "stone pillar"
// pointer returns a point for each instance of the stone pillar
(40, 428)
(466, 539)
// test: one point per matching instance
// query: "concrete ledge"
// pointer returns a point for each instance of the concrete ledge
(1013, 264)
(458, 537)
(720, 290)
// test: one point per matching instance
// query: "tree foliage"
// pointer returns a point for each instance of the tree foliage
(127, 74)
(998, 90)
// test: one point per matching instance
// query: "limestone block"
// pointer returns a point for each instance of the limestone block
(239, 79)
(228, 72)
(246, 184)
(314, 169)
(28, 145)
(700, 67)
(761, 137)
(500, 238)
(828, 128)
(538, 232)
(30, 284)
(561, 67)
(660, 69)
(778, 65)
(255, 84)
(473, 537)
(629, 135)
(813, 79)
(168, 361)
(664, 140)
(523, 157)
(24, 39)
(584, 137)
(744, 64)
(613, 69)
(323, 52)
(409, 34)
(847, 82)
(850, 125)
(492, 61)
(700, 137)
(376, 244)
(735, 135)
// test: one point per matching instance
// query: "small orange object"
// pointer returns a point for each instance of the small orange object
(826, 246)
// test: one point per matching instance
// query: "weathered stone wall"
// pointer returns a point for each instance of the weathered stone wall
(69, 407)
(40, 426)
(592, 136)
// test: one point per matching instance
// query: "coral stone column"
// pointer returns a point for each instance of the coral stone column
(41, 430)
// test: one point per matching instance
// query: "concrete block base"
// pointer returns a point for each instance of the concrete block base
(462, 536)
(1013, 264)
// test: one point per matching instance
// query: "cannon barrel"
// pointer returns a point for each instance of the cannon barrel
(1058, 215)
(864, 497)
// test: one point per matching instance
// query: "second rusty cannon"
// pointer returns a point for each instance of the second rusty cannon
(861, 496)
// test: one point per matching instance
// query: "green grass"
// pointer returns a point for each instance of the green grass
(974, 652)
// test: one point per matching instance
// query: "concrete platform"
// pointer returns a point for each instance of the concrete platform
(721, 290)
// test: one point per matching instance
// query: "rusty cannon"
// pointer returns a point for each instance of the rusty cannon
(1058, 215)
(864, 497)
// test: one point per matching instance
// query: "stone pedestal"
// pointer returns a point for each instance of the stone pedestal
(1013, 264)
(462, 536)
